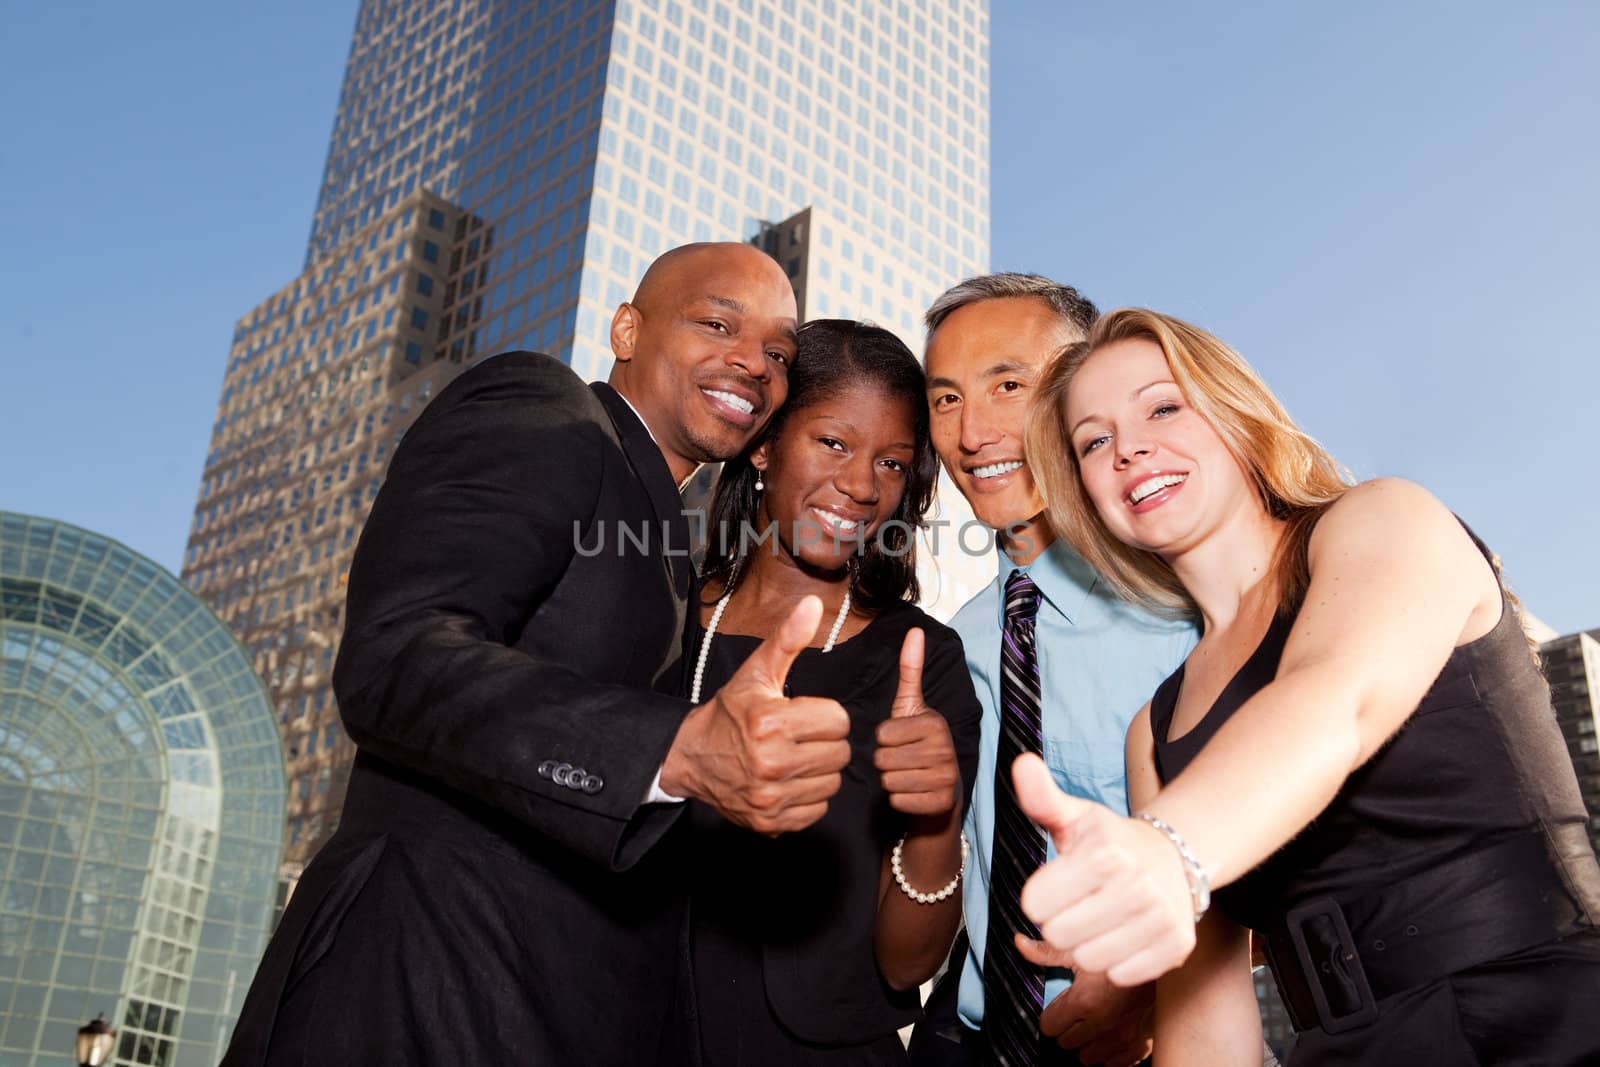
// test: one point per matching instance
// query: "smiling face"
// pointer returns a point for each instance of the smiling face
(982, 363)
(835, 473)
(704, 348)
(1157, 472)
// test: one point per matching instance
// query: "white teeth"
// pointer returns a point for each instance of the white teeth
(995, 470)
(836, 523)
(1151, 486)
(732, 400)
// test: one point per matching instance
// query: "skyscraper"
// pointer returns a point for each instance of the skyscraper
(1572, 666)
(500, 173)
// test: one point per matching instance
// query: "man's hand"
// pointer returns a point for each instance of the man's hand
(1105, 1023)
(762, 760)
(915, 753)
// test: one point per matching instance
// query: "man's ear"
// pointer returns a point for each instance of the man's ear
(624, 332)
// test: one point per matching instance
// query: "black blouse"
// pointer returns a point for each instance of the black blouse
(1481, 759)
(784, 969)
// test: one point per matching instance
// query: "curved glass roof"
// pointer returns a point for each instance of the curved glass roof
(142, 802)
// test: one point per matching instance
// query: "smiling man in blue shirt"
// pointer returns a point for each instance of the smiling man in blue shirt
(1098, 659)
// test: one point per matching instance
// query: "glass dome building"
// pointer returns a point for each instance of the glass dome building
(142, 804)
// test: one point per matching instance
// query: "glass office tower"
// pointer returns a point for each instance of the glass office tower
(141, 805)
(1572, 666)
(499, 175)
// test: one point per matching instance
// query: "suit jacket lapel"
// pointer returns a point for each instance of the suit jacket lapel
(651, 468)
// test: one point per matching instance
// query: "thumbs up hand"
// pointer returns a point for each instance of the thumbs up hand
(1115, 898)
(763, 760)
(915, 753)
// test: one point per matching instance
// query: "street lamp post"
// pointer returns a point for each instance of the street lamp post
(95, 1041)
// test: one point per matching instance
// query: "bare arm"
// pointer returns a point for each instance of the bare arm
(1396, 584)
(911, 939)
(1105, 1023)
(1205, 1011)
(1206, 1014)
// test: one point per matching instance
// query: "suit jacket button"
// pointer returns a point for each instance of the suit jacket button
(546, 767)
(575, 778)
(593, 784)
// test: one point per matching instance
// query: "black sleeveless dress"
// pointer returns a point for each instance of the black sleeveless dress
(1443, 908)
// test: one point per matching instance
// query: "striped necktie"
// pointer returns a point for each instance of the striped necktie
(1013, 988)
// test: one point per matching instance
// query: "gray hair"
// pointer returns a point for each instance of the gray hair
(1076, 310)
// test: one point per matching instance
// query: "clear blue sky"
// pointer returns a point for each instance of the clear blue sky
(1392, 210)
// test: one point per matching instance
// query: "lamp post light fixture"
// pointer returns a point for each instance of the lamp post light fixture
(95, 1041)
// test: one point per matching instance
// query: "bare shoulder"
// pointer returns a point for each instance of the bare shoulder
(1392, 538)
(1387, 516)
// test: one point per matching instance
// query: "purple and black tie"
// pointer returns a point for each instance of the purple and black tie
(1013, 988)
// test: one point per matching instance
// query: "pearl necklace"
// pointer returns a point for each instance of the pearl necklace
(716, 617)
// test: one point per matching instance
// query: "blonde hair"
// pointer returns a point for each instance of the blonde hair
(1294, 477)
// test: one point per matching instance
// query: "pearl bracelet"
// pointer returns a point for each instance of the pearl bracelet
(1193, 873)
(905, 886)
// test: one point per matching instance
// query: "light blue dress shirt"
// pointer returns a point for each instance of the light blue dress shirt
(1100, 661)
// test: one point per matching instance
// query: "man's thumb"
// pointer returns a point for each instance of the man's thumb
(769, 664)
(1040, 799)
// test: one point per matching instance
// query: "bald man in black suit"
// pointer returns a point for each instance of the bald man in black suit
(497, 891)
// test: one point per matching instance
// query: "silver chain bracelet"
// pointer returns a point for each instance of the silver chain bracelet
(1193, 873)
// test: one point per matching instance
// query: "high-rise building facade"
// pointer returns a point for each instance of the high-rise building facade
(1572, 666)
(1276, 1028)
(499, 175)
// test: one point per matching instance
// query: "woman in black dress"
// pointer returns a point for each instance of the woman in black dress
(808, 948)
(1359, 755)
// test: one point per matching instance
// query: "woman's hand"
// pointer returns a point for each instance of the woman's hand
(918, 762)
(915, 754)
(1115, 898)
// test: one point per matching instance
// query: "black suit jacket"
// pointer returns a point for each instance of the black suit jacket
(491, 894)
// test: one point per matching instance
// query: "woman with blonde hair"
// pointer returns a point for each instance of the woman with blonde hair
(1359, 757)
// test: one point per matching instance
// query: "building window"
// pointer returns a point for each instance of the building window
(430, 251)
(424, 284)
(419, 319)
